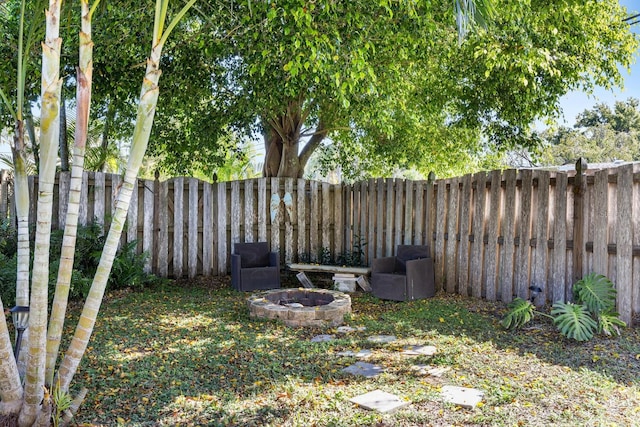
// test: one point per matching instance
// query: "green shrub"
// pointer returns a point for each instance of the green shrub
(127, 272)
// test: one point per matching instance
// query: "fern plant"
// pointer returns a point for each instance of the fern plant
(593, 311)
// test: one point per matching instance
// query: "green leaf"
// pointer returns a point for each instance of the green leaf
(596, 292)
(573, 321)
(609, 323)
(520, 312)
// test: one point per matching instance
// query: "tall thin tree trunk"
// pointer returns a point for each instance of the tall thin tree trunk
(49, 128)
(144, 121)
(64, 144)
(31, 131)
(83, 97)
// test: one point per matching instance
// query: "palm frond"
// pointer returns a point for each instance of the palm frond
(596, 292)
(520, 312)
(574, 321)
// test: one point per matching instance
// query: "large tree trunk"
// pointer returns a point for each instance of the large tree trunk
(282, 137)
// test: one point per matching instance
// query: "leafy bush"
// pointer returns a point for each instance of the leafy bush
(127, 271)
(593, 310)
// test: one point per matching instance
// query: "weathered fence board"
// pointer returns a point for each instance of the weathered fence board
(478, 227)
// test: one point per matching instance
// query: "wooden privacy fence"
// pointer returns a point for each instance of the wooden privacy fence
(492, 234)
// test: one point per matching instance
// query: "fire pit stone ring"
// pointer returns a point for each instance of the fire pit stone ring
(301, 306)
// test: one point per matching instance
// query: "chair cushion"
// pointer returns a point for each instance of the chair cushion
(253, 254)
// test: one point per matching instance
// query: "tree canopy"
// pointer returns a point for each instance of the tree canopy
(385, 85)
(600, 134)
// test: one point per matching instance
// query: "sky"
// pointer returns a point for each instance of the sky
(575, 102)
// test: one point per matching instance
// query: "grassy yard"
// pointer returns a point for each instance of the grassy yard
(191, 356)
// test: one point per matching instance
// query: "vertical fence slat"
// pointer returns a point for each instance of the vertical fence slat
(408, 213)
(523, 251)
(132, 215)
(207, 229)
(163, 229)
(508, 234)
(372, 221)
(601, 222)
(249, 211)
(477, 230)
(559, 258)
(178, 226)
(389, 248)
(440, 223)
(451, 239)
(463, 248)
(236, 212)
(430, 214)
(192, 261)
(380, 214)
(148, 229)
(303, 248)
(314, 222)
(364, 220)
(352, 214)
(275, 213)
(493, 230)
(99, 197)
(419, 216)
(624, 243)
(327, 218)
(398, 207)
(221, 231)
(262, 209)
(289, 219)
(338, 215)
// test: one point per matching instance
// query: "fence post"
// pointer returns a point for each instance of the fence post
(579, 188)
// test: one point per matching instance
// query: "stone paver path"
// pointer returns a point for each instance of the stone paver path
(380, 401)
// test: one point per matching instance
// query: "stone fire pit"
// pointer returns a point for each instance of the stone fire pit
(301, 307)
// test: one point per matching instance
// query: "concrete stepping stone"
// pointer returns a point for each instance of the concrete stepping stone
(419, 350)
(380, 401)
(368, 370)
(347, 329)
(462, 396)
(382, 339)
(322, 338)
(362, 354)
(434, 371)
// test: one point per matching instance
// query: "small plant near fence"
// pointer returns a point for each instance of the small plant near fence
(350, 258)
(593, 310)
(127, 272)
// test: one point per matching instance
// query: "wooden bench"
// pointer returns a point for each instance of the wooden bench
(344, 278)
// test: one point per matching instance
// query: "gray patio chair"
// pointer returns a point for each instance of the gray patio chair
(253, 267)
(407, 276)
